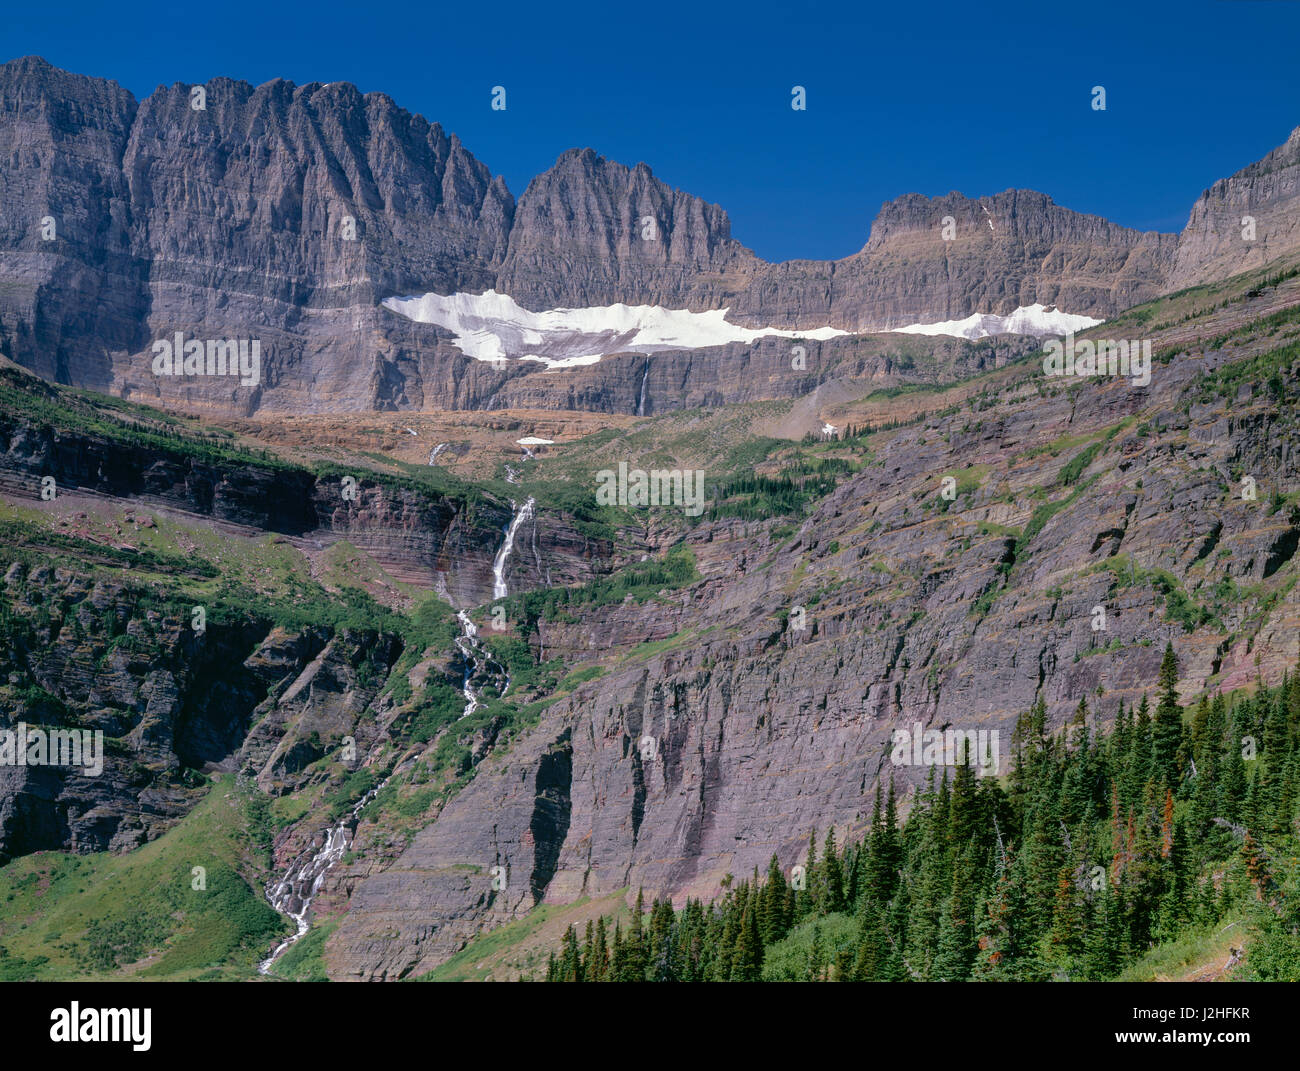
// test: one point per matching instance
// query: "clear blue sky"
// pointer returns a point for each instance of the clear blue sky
(910, 97)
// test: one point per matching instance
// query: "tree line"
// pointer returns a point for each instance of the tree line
(1094, 849)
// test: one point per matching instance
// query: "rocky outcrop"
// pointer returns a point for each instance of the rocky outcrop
(285, 214)
(431, 540)
(337, 678)
(88, 655)
(759, 371)
(1004, 252)
(1245, 221)
(592, 232)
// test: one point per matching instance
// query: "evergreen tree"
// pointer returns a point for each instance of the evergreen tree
(832, 898)
(636, 950)
(980, 884)
(817, 956)
(885, 853)
(773, 924)
(598, 970)
(807, 899)
(1167, 733)
(747, 962)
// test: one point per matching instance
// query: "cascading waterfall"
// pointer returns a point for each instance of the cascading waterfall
(467, 643)
(475, 654)
(292, 895)
(499, 589)
(478, 663)
(640, 405)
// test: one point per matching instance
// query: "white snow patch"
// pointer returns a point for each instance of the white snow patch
(565, 362)
(533, 440)
(492, 327)
(1035, 320)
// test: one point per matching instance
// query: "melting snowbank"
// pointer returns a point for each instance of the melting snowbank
(491, 327)
(1036, 320)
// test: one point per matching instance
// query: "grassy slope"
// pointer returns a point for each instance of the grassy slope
(1198, 956)
(519, 949)
(137, 915)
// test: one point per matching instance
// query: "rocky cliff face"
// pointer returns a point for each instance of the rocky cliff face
(1244, 221)
(592, 232)
(281, 213)
(168, 700)
(1001, 253)
(1073, 498)
(286, 214)
(72, 278)
(418, 537)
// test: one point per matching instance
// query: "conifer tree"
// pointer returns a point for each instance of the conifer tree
(817, 955)
(1167, 733)
(885, 854)
(599, 969)
(570, 965)
(747, 961)
(832, 877)
(636, 950)
(807, 899)
(772, 920)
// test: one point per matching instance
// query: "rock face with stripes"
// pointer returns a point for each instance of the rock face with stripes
(279, 212)
(288, 214)
(1244, 221)
(761, 731)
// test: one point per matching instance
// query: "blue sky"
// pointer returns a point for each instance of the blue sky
(910, 97)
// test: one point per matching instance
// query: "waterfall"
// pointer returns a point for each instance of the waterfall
(477, 659)
(292, 894)
(469, 646)
(499, 589)
(645, 374)
(478, 663)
